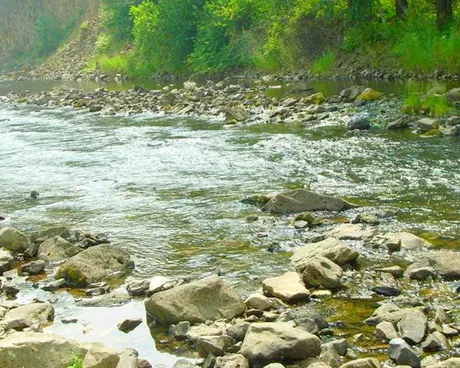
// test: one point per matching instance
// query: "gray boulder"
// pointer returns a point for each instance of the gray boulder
(386, 331)
(449, 363)
(403, 354)
(362, 363)
(275, 342)
(301, 200)
(34, 267)
(215, 345)
(207, 299)
(13, 240)
(413, 325)
(435, 342)
(232, 361)
(427, 124)
(57, 249)
(236, 114)
(28, 315)
(6, 261)
(288, 287)
(321, 272)
(98, 263)
(359, 122)
(61, 231)
(332, 249)
(32, 350)
(446, 263)
(389, 312)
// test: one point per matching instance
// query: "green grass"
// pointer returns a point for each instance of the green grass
(324, 64)
(112, 64)
(75, 362)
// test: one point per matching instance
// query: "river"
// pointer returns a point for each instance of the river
(168, 190)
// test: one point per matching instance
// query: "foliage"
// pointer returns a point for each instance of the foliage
(112, 64)
(429, 98)
(75, 362)
(324, 64)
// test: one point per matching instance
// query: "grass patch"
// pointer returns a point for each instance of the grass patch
(75, 362)
(324, 64)
(112, 64)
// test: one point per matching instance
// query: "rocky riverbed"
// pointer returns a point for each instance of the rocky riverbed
(415, 288)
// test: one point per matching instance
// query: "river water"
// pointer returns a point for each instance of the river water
(168, 190)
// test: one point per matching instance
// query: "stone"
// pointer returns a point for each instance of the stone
(138, 288)
(420, 271)
(351, 93)
(386, 331)
(405, 240)
(386, 291)
(238, 330)
(301, 200)
(321, 272)
(288, 287)
(34, 267)
(275, 342)
(449, 363)
(387, 312)
(183, 363)
(210, 298)
(453, 95)
(413, 325)
(274, 365)
(362, 363)
(57, 249)
(427, 124)
(61, 231)
(32, 350)
(13, 240)
(99, 263)
(351, 232)
(258, 301)
(341, 346)
(359, 122)
(160, 283)
(400, 123)
(41, 313)
(128, 358)
(396, 271)
(237, 114)
(332, 249)
(54, 285)
(402, 353)
(435, 342)
(440, 316)
(215, 345)
(129, 324)
(6, 261)
(330, 356)
(446, 263)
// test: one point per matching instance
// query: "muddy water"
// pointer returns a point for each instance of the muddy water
(168, 190)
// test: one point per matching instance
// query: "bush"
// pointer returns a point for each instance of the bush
(112, 64)
(75, 362)
(324, 64)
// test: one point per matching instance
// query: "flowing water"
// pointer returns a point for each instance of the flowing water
(168, 190)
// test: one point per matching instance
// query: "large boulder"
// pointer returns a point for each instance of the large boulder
(413, 326)
(274, 342)
(321, 272)
(301, 200)
(446, 263)
(57, 249)
(332, 249)
(6, 261)
(405, 240)
(33, 350)
(61, 231)
(98, 263)
(13, 240)
(28, 315)
(288, 287)
(449, 363)
(208, 299)
(403, 354)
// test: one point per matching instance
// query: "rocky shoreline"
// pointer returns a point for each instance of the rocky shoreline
(356, 107)
(416, 322)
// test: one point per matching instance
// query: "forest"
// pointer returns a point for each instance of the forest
(177, 36)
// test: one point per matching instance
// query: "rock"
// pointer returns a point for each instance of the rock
(180, 330)
(446, 263)
(274, 365)
(183, 363)
(449, 131)
(453, 95)
(106, 300)
(301, 200)
(41, 313)
(316, 98)
(351, 93)
(440, 316)
(160, 283)
(54, 285)
(341, 346)
(197, 331)
(351, 232)
(321, 272)
(386, 331)
(138, 288)
(13, 240)
(427, 124)
(359, 122)
(34, 194)
(34, 267)
(215, 345)
(366, 218)
(98, 263)
(362, 363)
(370, 95)
(401, 123)
(206, 299)
(332, 249)
(386, 291)
(272, 342)
(288, 287)
(189, 86)
(396, 271)
(420, 271)
(237, 114)
(238, 330)
(387, 312)
(402, 353)
(6, 261)
(413, 325)
(258, 301)
(405, 240)
(32, 350)
(435, 342)
(129, 324)
(449, 363)
(57, 249)
(128, 358)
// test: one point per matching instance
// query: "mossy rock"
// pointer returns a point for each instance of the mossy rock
(259, 200)
(72, 275)
(370, 94)
(316, 98)
(307, 217)
(431, 134)
(22, 100)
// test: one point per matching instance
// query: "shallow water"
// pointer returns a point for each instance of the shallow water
(168, 190)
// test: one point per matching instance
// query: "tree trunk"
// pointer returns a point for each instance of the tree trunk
(444, 13)
(401, 8)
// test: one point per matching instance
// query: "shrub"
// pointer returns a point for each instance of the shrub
(324, 64)
(75, 362)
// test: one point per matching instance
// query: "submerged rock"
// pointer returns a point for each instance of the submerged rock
(301, 200)
(207, 299)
